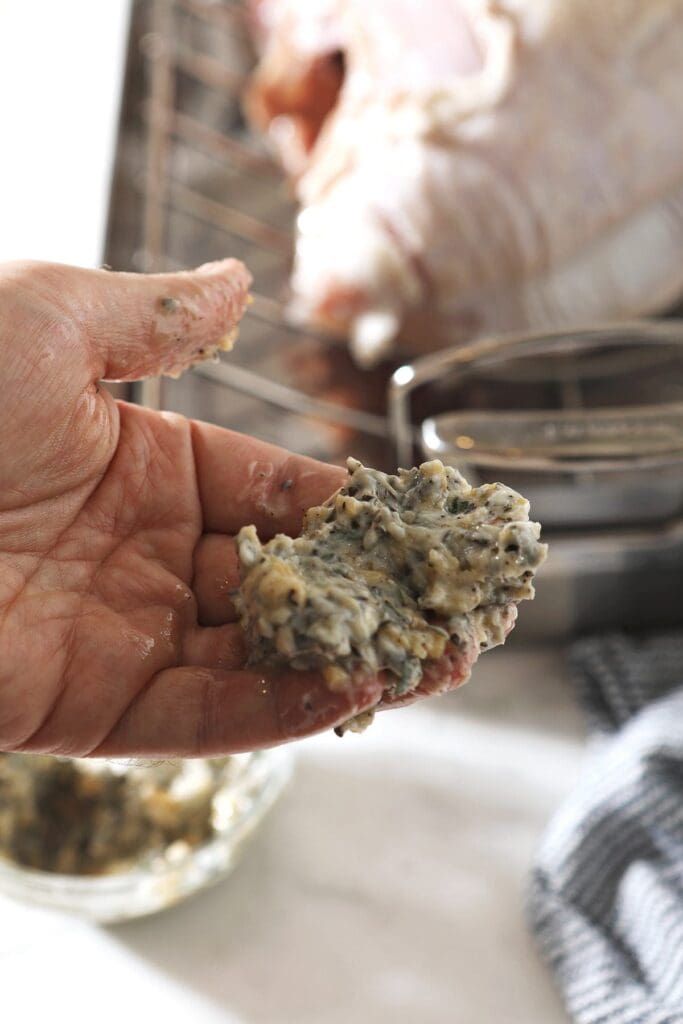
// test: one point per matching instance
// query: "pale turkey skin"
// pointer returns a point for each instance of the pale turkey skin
(479, 166)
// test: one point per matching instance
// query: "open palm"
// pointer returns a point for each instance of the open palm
(117, 633)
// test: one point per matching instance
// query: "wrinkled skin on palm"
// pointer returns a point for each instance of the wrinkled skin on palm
(118, 635)
(466, 166)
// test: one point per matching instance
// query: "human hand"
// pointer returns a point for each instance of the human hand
(117, 633)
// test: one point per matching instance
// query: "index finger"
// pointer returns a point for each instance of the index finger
(243, 481)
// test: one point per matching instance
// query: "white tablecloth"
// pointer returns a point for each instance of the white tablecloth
(387, 886)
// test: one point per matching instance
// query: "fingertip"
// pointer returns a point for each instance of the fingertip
(305, 705)
(230, 268)
(147, 325)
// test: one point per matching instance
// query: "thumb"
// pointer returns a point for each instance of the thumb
(142, 325)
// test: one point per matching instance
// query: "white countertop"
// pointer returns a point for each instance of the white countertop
(387, 885)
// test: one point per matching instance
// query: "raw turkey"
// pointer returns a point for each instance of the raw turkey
(471, 166)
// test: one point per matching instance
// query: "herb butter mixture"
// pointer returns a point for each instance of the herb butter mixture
(96, 817)
(387, 573)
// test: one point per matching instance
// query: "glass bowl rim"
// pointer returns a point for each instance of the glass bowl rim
(277, 760)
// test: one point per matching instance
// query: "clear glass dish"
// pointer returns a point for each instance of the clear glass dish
(112, 841)
(587, 424)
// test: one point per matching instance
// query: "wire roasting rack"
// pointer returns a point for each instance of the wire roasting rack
(192, 184)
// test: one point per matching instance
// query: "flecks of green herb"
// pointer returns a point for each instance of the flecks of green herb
(458, 506)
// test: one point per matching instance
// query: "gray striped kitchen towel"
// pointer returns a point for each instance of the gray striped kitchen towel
(606, 898)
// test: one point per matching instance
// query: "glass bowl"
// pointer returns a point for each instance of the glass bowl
(112, 841)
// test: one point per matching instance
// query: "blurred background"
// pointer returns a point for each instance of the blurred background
(388, 883)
